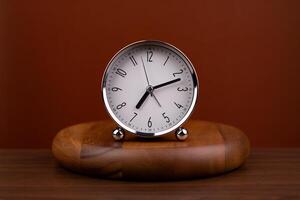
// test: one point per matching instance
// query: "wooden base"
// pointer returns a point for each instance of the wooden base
(210, 149)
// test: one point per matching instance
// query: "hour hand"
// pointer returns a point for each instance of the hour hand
(142, 100)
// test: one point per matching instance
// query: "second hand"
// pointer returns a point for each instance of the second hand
(145, 71)
(156, 99)
(148, 91)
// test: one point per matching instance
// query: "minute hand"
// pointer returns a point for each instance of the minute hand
(166, 83)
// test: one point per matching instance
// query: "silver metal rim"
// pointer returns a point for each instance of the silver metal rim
(176, 51)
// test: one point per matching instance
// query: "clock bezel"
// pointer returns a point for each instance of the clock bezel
(174, 50)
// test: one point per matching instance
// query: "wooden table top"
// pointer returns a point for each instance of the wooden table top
(33, 174)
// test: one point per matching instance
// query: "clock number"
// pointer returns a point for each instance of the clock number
(121, 105)
(149, 56)
(115, 89)
(133, 60)
(174, 74)
(135, 114)
(178, 105)
(121, 72)
(149, 122)
(182, 89)
(166, 61)
(166, 117)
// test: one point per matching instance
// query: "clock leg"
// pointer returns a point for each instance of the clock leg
(181, 134)
(118, 134)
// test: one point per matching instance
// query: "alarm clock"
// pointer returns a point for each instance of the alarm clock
(149, 89)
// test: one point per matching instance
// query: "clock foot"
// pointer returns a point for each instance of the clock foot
(181, 134)
(118, 134)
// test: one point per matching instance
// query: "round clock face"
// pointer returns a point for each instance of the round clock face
(149, 88)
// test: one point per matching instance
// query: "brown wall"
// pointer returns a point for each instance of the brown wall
(53, 53)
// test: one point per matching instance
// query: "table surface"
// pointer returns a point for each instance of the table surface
(33, 174)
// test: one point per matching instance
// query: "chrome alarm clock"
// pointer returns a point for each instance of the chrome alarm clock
(149, 89)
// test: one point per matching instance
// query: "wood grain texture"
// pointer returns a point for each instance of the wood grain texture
(211, 149)
(33, 174)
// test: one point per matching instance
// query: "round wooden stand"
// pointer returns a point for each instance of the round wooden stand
(210, 149)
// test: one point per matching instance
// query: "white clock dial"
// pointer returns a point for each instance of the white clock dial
(149, 88)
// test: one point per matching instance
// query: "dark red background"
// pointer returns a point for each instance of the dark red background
(53, 54)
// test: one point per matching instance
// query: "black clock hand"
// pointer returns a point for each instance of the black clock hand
(166, 83)
(146, 94)
(142, 100)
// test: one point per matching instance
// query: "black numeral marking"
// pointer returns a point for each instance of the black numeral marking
(149, 122)
(166, 61)
(133, 60)
(121, 105)
(135, 114)
(149, 56)
(115, 89)
(180, 72)
(178, 105)
(166, 117)
(182, 89)
(121, 72)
